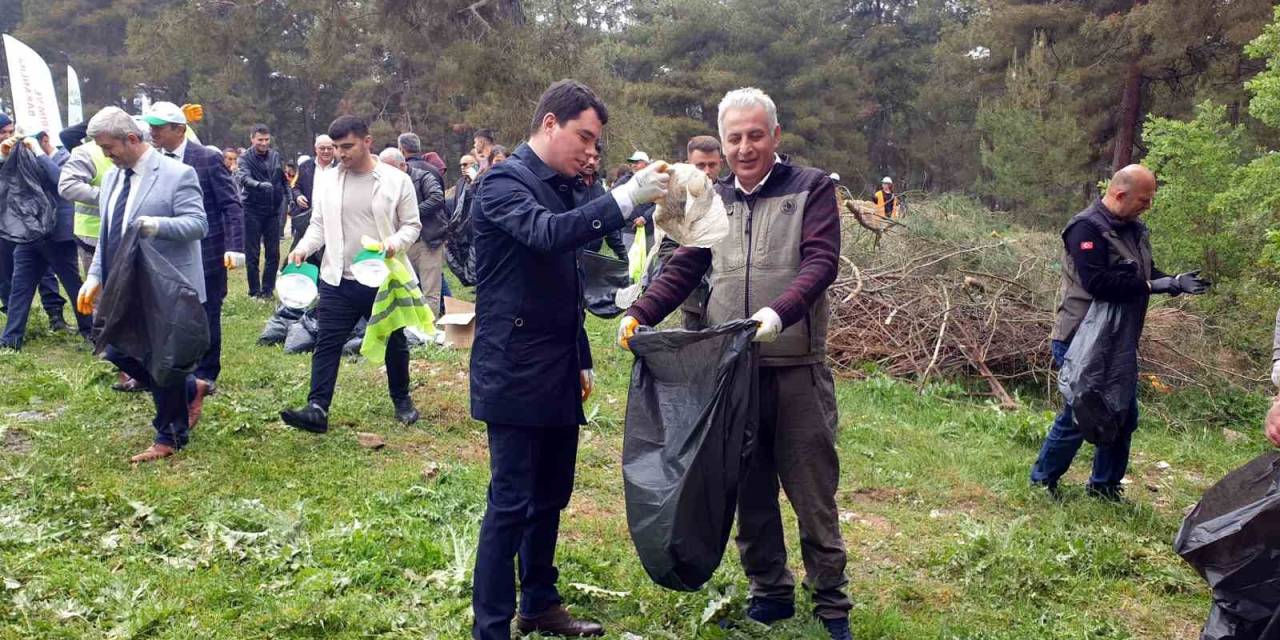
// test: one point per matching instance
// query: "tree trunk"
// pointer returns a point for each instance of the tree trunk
(1130, 114)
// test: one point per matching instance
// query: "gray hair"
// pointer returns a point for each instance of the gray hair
(391, 155)
(746, 98)
(114, 122)
(410, 142)
(322, 139)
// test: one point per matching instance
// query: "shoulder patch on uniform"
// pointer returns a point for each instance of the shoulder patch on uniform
(1086, 245)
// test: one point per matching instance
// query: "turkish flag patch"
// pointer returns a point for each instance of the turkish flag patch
(1086, 245)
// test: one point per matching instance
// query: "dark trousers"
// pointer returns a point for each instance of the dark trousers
(796, 447)
(49, 298)
(31, 263)
(171, 402)
(1110, 463)
(531, 478)
(444, 292)
(262, 236)
(215, 287)
(337, 313)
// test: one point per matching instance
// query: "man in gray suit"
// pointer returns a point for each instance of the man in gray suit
(161, 197)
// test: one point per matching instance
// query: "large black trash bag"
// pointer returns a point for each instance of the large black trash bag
(1100, 371)
(27, 210)
(1232, 538)
(603, 277)
(691, 418)
(151, 312)
(459, 253)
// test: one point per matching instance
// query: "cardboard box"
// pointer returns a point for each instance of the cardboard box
(459, 323)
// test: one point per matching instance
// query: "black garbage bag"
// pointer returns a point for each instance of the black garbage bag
(1232, 538)
(602, 278)
(691, 416)
(277, 327)
(1099, 376)
(151, 312)
(459, 252)
(302, 334)
(27, 209)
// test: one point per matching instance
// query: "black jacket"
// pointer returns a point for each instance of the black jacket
(264, 183)
(530, 342)
(430, 206)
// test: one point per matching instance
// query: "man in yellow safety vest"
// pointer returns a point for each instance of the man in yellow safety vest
(79, 182)
(887, 201)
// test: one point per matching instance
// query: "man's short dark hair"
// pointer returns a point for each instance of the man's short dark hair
(484, 133)
(344, 126)
(259, 128)
(705, 144)
(566, 100)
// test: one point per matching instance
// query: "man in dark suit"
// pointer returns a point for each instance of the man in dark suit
(531, 363)
(325, 160)
(222, 248)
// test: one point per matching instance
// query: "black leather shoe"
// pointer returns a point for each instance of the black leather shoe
(406, 412)
(558, 622)
(311, 418)
(58, 325)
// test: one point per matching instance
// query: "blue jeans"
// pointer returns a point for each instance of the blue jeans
(1109, 463)
(531, 479)
(32, 263)
(49, 298)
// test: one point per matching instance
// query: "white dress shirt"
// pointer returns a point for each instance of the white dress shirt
(139, 170)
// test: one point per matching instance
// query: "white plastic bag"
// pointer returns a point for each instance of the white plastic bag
(692, 213)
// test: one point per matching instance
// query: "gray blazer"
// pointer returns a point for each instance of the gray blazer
(169, 190)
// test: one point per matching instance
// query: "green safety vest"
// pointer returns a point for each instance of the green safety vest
(88, 220)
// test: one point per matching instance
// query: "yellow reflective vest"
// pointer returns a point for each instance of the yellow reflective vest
(887, 205)
(88, 220)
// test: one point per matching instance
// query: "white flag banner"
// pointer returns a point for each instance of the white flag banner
(35, 105)
(75, 108)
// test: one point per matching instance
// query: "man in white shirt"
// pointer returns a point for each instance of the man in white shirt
(363, 198)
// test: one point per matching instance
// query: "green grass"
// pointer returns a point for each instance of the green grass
(259, 531)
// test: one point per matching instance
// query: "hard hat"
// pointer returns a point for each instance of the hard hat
(835, 177)
(639, 156)
(887, 180)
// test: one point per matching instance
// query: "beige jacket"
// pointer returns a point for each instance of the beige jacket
(395, 214)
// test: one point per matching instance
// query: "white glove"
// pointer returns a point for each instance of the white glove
(647, 186)
(148, 226)
(588, 379)
(233, 260)
(770, 325)
(1275, 373)
(87, 298)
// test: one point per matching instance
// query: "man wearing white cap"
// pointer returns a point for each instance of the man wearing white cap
(638, 161)
(886, 200)
(222, 247)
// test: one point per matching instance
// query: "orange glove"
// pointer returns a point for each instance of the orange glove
(626, 330)
(193, 112)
